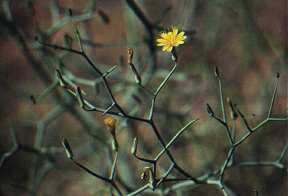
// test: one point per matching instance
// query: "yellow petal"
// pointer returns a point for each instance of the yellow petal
(174, 31)
(181, 33)
(161, 44)
(178, 43)
(180, 37)
(170, 49)
(165, 48)
(161, 40)
(163, 35)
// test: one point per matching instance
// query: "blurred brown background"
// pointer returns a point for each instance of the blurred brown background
(247, 41)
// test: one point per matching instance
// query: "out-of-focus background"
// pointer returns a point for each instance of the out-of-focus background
(246, 39)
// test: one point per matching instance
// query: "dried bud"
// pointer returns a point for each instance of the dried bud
(134, 146)
(147, 175)
(209, 110)
(132, 66)
(216, 72)
(278, 75)
(130, 55)
(110, 124)
(67, 148)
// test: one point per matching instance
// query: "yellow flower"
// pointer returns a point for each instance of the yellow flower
(171, 39)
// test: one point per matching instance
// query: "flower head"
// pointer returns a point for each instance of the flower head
(171, 39)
